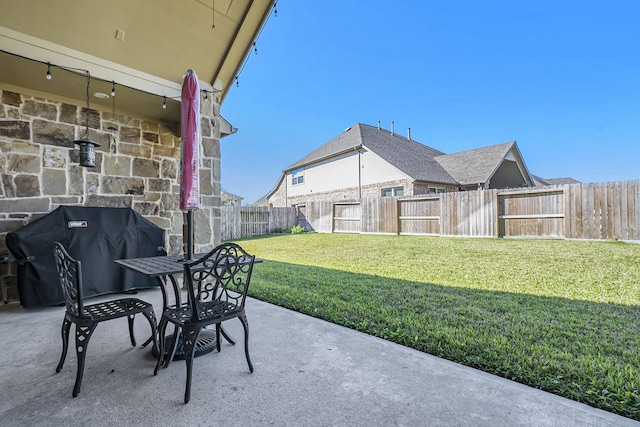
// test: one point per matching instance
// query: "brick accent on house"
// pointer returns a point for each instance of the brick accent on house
(137, 166)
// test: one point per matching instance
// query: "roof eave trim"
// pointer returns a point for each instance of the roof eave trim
(321, 159)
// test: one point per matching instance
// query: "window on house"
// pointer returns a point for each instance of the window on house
(297, 177)
(434, 190)
(395, 192)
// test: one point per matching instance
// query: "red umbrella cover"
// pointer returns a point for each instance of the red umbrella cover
(190, 151)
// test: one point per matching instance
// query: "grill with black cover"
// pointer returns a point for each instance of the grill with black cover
(94, 235)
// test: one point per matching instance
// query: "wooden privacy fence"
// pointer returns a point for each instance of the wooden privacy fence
(575, 211)
(246, 221)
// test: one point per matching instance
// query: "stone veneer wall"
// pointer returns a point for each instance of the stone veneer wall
(137, 166)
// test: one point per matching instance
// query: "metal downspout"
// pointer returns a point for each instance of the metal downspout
(359, 173)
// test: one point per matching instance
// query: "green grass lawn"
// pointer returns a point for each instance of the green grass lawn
(557, 315)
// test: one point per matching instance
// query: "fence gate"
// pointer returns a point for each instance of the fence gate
(347, 217)
(532, 213)
(254, 221)
(419, 215)
(301, 217)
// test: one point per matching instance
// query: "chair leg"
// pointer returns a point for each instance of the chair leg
(66, 326)
(173, 346)
(189, 338)
(151, 317)
(131, 318)
(162, 327)
(218, 330)
(83, 335)
(226, 336)
(245, 325)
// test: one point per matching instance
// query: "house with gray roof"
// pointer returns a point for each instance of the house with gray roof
(367, 161)
(230, 199)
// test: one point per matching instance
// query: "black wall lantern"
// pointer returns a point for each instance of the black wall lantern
(87, 152)
(87, 146)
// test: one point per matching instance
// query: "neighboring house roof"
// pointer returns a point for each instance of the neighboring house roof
(230, 196)
(414, 159)
(411, 157)
(553, 181)
(561, 181)
(475, 166)
(262, 201)
(230, 199)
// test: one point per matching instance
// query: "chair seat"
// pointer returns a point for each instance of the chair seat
(209, 312)
(114, 309)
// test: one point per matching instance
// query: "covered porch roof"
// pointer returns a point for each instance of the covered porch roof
(144, 47)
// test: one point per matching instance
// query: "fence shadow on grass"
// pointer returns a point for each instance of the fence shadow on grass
(582, 350)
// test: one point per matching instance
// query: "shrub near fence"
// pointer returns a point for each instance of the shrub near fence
(575, 211)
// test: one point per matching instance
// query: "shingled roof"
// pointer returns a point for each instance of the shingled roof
(419, 162)
(414, 159)
(475, 166)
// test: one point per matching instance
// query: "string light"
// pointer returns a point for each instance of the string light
(113, 88)
(48, 71)
(274, 10)
(206, 95)
(164, 102)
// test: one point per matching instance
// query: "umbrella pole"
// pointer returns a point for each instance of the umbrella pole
(189, 254)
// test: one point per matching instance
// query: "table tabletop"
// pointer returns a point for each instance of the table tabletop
(156, 265)
(162, 265)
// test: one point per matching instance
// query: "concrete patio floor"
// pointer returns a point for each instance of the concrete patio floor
(307, 373)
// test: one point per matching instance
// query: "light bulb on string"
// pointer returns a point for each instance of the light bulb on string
(48, 71)
(206, 95)
(255, 49)
(275, 9)
(237, 82)
(113, 88)
(164, 102)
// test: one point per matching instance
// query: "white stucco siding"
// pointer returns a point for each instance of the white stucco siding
(339, 172)
(376, 170)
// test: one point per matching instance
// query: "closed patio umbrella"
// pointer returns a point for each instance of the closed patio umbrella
(190, 154)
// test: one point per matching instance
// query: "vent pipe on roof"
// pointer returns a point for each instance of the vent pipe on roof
(378, 124)
(392, 131)
(409, 134)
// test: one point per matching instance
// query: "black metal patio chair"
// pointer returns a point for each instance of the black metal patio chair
(217, 286)
(86, 317)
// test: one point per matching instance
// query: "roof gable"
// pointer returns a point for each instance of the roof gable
(475, 166)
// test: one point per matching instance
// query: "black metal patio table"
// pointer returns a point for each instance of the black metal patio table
(169, 266)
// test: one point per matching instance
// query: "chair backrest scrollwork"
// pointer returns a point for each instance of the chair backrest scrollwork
(221, 275)
(70, 274)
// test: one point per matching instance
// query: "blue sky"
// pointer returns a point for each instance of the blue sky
(562, 78)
